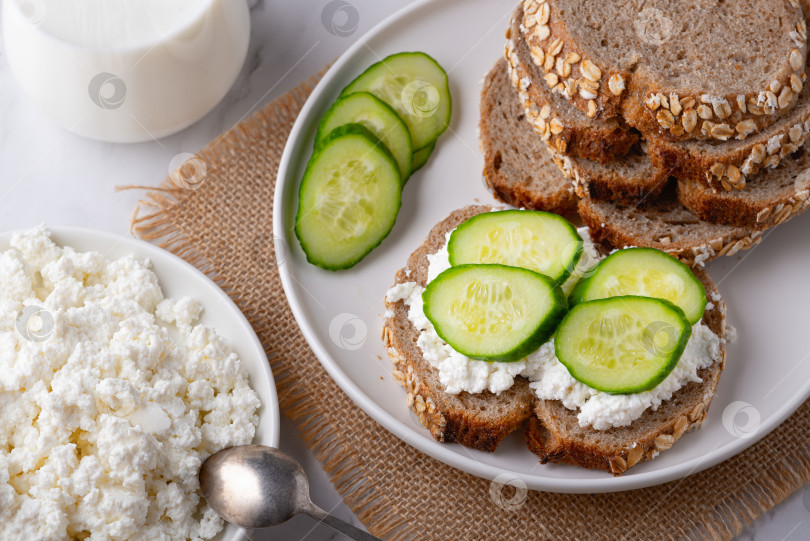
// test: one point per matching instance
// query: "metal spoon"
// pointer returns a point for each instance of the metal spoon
(254, 486)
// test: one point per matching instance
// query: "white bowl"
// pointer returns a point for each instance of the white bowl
(177, 278)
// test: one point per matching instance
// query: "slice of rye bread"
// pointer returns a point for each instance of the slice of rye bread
(479, 421)
(561, 125)
(666, 225)
(771, 197)
(554, 434)
(655, 63)
(727, 165)
(520, 172)
(516, 164)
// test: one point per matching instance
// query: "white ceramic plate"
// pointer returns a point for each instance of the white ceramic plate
(767, 375)
(177, 279)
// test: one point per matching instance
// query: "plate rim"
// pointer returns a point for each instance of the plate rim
(146, 250)
(293, 146)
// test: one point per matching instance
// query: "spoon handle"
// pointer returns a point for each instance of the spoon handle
(335, 523)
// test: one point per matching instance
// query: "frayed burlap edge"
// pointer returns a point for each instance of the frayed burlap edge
(151, 222)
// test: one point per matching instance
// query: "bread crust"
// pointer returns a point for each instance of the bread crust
(575, 135)
(459, 418)
(640, 97)
(727, 166)
(559, 43)
(605, 220)
(512, 182)
(626, 187)
(751, 212)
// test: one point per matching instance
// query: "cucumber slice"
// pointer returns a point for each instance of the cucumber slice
(416, 87)
(647, 272)
(622, 345)
(364, 108)
(421, 156)
(534, 240)
(493, 312)
(348, 200)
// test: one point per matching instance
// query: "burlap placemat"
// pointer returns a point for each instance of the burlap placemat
(218, 215)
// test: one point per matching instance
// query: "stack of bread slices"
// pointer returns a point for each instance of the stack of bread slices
(673, 125)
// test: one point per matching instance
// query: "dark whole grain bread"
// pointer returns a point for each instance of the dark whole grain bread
(479, 421)
(631, 180)
(627, 202)
(520, 171)
(554, 434)
(663, 65)
(516, 164)
(770, 198)
(666, 225)
(561, 125)
(727, 165)
(482, 421)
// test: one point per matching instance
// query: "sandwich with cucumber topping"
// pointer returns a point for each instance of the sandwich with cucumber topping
(514, 319)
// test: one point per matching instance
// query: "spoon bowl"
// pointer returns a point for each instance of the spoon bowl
(254, 486)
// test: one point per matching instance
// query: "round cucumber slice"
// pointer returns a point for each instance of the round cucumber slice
(364, 108)
(493, 312)
(622, 345)
(348, 200)
(647, 272)
(421, 156)
(534, 240)
(416, 87)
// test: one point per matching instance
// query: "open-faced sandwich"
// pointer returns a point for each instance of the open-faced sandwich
(515, 318)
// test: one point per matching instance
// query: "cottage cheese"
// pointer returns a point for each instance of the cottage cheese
(549, 378)
(111, 397)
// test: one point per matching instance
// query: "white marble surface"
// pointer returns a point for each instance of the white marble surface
(47, 174)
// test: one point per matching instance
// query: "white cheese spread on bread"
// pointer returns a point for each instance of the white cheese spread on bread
(549, 378)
